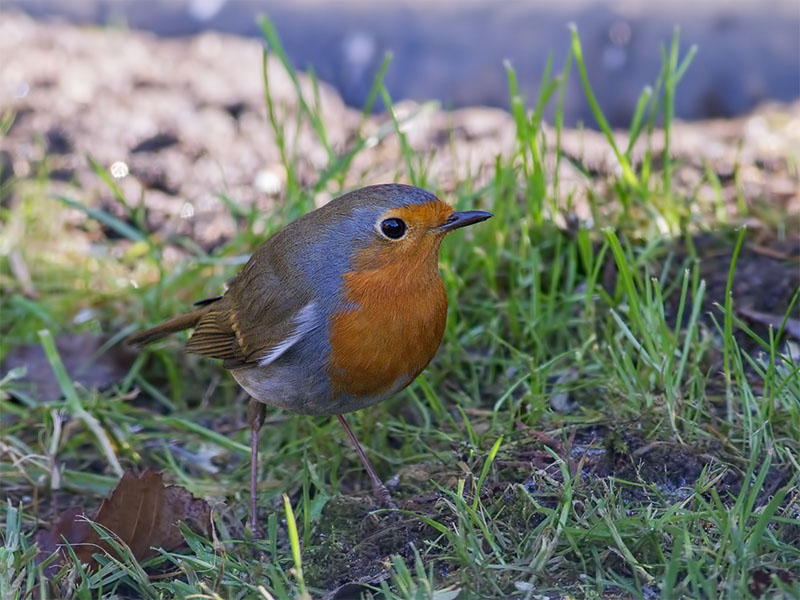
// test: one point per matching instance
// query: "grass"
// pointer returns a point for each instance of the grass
(675, 473)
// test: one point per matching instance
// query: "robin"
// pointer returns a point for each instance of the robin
(337, 311)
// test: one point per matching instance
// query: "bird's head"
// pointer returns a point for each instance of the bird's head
(399, 225)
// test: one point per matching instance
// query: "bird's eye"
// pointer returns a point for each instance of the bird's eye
(393, 228)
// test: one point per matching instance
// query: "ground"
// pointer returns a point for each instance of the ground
(614, 411)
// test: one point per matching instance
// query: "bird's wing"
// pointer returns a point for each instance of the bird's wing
(259, 318)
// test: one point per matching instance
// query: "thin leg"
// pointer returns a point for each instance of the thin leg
(380, 490)
(256, 412)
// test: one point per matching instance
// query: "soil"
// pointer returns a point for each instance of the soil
(181, 122)
(343, 555)
(454, 51)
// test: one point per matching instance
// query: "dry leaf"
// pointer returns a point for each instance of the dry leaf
(87, 363)
(792, 326)
(69, 527)
(141, 512)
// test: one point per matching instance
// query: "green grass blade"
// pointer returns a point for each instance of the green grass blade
(106, 219)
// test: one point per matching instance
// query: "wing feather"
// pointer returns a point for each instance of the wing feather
(258, 319)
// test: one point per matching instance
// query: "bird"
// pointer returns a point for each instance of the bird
(339, 310)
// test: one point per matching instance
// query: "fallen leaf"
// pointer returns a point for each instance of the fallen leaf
(141, 512)
(792, 326)
(761, 580)
(84, 357)
(69, 527)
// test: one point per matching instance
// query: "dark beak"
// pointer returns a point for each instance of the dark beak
(462, 219)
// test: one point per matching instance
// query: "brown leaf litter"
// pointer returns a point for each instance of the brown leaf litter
(141, 513)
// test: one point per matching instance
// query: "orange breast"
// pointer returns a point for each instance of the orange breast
(395, 326)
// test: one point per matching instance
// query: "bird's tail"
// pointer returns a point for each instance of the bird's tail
(169, 326)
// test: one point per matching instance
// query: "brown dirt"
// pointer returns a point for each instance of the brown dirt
(186, 119)
(353, 543)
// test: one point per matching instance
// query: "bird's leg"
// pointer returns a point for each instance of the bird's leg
(256, 411)
(380, 490)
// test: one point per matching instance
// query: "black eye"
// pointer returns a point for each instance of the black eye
(393, 228)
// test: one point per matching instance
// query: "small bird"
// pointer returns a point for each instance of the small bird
(337, 311)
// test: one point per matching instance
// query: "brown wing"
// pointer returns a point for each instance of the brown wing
(256, 315)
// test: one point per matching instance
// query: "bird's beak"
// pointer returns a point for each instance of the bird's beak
(464, 218)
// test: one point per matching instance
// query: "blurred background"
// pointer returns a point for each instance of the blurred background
(453, 50)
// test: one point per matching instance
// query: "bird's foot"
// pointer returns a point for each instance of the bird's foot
(384, 497)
